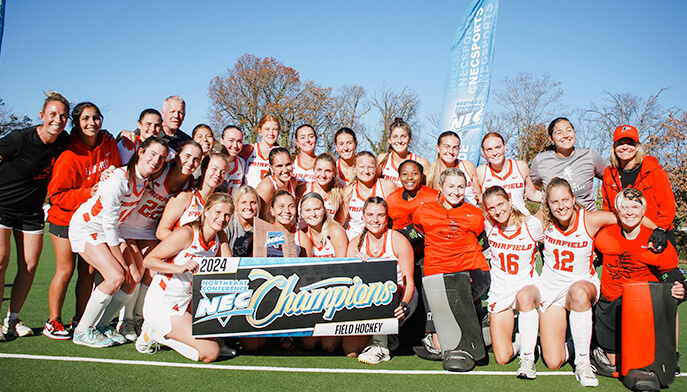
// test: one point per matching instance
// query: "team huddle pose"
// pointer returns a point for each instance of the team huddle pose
(135, 232)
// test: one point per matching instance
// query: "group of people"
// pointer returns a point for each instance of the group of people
(141, 209)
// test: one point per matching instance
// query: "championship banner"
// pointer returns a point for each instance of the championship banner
(255, 296)
(469, 76)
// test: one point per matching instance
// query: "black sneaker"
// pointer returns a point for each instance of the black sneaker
(601, 365)
(677, 364)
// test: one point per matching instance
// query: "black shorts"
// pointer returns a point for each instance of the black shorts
(59, 231)
(26, 222)
(607, 323)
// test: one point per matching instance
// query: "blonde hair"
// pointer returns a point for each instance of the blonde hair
(639, 156)
(243, 189)
(554, 183)
(327, 221)
(55, 96)
(215, 198)
(359, 155)
(435, 169)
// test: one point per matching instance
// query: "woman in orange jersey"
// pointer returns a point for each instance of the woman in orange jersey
(568, 281)
(626, 259)
(77, 171)
(167, 312)
(256, 155)
(377, 241)
(451, 227)
(513, 242)
(187, 206)
(345, 143)
(365, 184)
(448, 152)
(399, 140)
(281, 167)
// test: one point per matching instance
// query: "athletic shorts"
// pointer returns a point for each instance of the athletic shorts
(160, 305)
(26, 222)
(556, 292)
(607, 323)
(59, 231)
(80, 235)
(503, 297)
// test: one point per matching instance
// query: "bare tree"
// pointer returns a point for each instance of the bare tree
(391, 104)
(625, 108)
(10, 121)
(527, 101)
(349, 107)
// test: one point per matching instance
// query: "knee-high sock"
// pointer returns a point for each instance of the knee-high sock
(180, 347)
(528, 324)
(138, 309)
(127, 312)
(119, 298)
(581, 330)
(94, 309)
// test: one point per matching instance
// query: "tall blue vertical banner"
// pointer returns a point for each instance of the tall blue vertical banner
(2, 21)
(469, 76)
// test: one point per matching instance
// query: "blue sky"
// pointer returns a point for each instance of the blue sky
(126, 55)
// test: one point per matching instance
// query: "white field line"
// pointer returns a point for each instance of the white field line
(274, 368)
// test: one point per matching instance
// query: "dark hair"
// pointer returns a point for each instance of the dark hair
(199, 127)
(297, 149)
(373, 200)
(555, 121)
(411, 162)
(78, 110)
(276, 151)
(347, 131)
(228, 127)
(185, 143)
(281, 193)
(131, 166)
(149, 111)
(204, 167)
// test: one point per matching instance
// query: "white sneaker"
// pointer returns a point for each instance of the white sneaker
(145, 344)
(15, 327)
(373, 355)
(111, 333)
(527, 370)
(2, 336)
(92, 338)
(129, 329)
(585, 375)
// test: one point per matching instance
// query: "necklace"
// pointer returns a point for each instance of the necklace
(378, 248)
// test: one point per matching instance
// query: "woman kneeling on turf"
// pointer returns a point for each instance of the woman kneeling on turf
(166, 310)
(513, 239)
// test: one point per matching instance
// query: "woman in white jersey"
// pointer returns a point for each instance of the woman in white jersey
(232, 143)
(187, 206)
(281, 178)
(94, 234)
(256, 155)
(167, 309)
(377, 241)
(568, 280)
(328, 239)
(149, 124)
(448, 150)
(365, 184)
(326, 185)
(513, 242)
(510, 174)
(345, 143)
(138, 229)
(304, 153)
(399, 141)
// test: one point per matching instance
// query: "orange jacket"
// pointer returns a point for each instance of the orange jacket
(76, 171)
(652, 180)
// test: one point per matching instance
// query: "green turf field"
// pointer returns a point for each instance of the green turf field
(39, 363)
